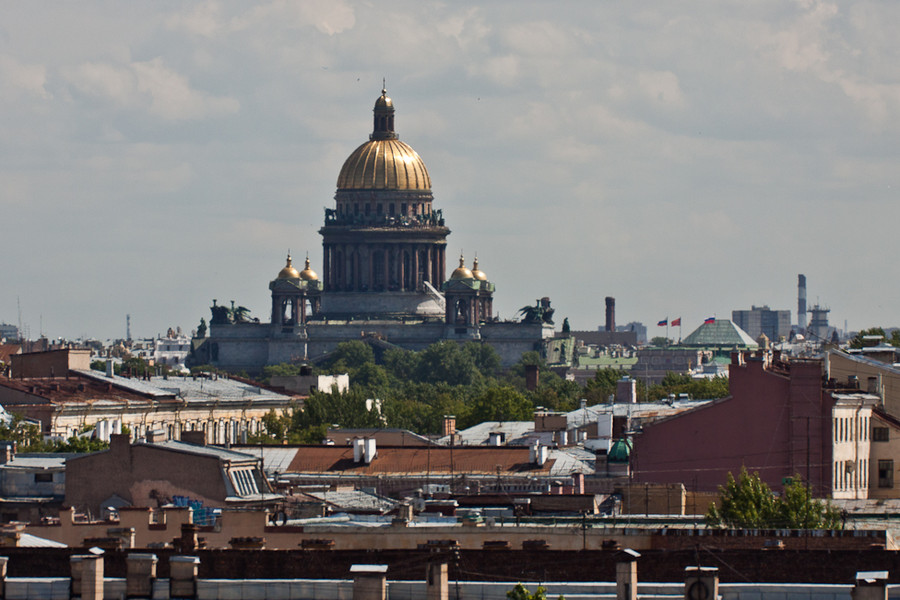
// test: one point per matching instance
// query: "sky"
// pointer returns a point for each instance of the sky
(688, 158)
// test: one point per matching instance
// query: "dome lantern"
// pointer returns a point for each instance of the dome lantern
(307, 274)
(288, 272)
(461, 272)
(476, 272)
(383, 128)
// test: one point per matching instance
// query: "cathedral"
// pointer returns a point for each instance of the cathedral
(383, 275)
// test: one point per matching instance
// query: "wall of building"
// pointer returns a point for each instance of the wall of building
(55, 363)
(842, 366)
(850, 440)
(776, 424)
(884, 457)
(134, 472)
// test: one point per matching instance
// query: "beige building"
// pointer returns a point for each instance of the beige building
(70, 400)
(873, 376)
(884, 456)
(851, 423)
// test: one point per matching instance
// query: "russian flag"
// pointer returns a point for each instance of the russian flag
(709, 320)
(676, 322)
(663, 323)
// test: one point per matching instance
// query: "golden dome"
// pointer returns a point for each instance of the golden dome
(384, 162)
(476, 273)
(384, 165)
(308, 274)
(288, 272)
(384, 101)
(461, 272)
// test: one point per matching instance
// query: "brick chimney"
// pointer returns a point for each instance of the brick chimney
(532, 377)
(610, 313)
(449, 425)
(198, 437)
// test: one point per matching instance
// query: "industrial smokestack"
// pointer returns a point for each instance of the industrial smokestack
(801, 301)
(610, 313)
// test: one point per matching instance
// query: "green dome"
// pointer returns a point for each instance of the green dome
(619, 451)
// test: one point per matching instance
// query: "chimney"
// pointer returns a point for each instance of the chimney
(156, 436)
(872, 386)
(801, 302)
(449, 425)
(197, 437)
(369, 450)
(119, 442)
(626, 391)
(538, 454)
(610, 313)
(109, 368)
(358, 450)
(7, 451)
(532, 377)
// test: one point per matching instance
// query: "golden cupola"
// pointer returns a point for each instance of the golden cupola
(476, 272)
(307, 274)
(289, 272)
(461, 272)
(384, 162)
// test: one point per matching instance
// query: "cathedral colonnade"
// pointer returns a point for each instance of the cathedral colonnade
(378, 267)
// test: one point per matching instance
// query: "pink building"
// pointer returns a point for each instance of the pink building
(777, 422)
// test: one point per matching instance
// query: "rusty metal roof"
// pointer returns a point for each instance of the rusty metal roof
(401, 460)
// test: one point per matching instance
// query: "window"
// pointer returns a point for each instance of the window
(881, 434)
(43, 477)
(885, 473)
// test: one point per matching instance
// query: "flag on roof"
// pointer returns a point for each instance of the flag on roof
(664, 322)
(709, 320)
(676, 322)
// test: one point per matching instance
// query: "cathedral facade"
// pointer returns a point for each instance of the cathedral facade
(383, 275)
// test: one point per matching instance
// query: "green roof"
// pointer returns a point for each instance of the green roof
(619, 451)
(720, 332)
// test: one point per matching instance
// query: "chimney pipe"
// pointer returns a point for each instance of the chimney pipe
(801, 302)
(610, 313)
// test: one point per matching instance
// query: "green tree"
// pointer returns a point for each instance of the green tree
(660, 341)
(520, 592)
(445, 361)
(602, 386)
(893, 339)
(749, 503)
(499, 404)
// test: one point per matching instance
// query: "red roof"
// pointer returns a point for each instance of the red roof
(7, 350)
(399, 460)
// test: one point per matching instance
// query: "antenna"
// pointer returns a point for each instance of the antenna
(19, 307)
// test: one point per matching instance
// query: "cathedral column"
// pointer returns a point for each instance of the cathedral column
(401, 268)
(428, 265)
(387, 267)
(326, 266)
(371, 268)
(414, 265)
(302, 310)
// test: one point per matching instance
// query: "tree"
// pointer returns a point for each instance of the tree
(749, 503)
(445, 361)
(500, 404)
(857, 341)
(602, 386)
(520, 592)
(659, 341)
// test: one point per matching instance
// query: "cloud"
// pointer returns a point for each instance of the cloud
(16, 77)
(149, 86)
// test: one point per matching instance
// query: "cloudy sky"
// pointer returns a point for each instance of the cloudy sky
(687, 158)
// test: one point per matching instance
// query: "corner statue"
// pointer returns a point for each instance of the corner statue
(222, 315)
(539, 313)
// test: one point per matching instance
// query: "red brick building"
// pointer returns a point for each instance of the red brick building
(777, 422)
(153, 474)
